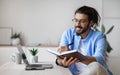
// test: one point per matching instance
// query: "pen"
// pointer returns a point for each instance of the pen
(66, 45)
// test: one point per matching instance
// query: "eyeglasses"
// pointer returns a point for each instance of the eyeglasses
(80, 21)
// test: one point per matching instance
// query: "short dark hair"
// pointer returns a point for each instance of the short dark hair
(91, 12)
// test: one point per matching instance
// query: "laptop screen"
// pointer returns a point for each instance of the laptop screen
(19, 47)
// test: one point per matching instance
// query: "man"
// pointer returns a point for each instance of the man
(90, 43)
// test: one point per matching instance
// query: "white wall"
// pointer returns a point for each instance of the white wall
(112, 17)
(5, 34)
(41, 21)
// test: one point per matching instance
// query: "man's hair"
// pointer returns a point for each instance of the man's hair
(91, 12)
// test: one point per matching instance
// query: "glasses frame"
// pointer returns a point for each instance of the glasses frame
(82, 21)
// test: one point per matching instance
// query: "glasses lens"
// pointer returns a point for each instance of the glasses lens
(74, 20)
(80, 21)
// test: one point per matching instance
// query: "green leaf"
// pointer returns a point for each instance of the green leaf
(111, 28)
(23, 56)
(15, 35)
(103, 28)
(33, 51)
(109, 48)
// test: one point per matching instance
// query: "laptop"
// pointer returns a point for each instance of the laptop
(32, 66)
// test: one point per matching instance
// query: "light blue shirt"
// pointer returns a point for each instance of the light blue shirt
(95, 45)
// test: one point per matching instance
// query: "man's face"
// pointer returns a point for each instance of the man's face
(82, 23)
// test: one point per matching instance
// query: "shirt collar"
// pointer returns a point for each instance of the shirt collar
(88, 36)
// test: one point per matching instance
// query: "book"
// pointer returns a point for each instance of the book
(68, 54)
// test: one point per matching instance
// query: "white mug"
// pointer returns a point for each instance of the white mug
(16, 57)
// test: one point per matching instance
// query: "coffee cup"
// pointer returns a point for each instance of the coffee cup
(16, 57)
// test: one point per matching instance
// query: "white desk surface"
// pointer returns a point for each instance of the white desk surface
(11, 68)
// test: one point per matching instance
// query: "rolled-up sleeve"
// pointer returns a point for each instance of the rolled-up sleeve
(66, 37)
(63, 40)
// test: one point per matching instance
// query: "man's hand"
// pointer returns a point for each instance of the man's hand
(63, 48)
(67, 62)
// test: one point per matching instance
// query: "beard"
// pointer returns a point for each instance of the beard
(80, 30)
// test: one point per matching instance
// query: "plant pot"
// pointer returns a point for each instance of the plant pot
(15, 41)
(34, 59)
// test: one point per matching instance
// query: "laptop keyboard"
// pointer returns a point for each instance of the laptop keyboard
(39, 66)
(35, 65)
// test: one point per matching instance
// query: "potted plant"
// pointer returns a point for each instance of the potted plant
(15, 38)
(103, 29)
(34, 57)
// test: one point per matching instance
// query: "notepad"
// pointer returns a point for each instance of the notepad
(68, 54)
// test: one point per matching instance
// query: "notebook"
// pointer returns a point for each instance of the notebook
(32, 66)
(69, 54)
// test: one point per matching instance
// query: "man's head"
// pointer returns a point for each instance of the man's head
(85, 17)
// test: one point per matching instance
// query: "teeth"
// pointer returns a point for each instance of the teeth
(78, 28)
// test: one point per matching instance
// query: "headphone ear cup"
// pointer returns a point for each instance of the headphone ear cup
(93, 27)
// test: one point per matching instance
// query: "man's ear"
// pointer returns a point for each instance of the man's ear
(91, 23)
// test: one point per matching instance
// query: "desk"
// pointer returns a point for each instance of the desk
(11, 68)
